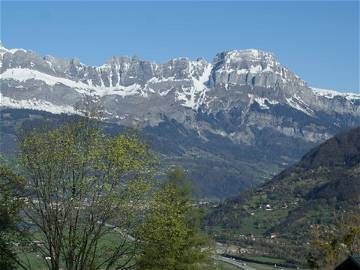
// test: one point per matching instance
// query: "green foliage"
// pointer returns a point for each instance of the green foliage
(84, 186)
(322, 186)
(6, 253)
(10, 203)
(170, 234)
(332, 244)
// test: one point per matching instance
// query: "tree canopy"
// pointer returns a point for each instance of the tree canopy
(87, 192)
(171, 238)
(11, 185)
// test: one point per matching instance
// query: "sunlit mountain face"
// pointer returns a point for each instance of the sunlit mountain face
(233, 123)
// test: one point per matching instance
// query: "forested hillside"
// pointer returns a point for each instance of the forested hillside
(318, 190)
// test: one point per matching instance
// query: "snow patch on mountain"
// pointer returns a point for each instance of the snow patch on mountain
(197, 93)
(297, 103)
(332, 94)
(191, 94)
(4, 50)
(181, 81)
(263, 102)
(34, 104)
(25, 74)
(249, 54)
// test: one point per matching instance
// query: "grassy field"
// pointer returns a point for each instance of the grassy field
(224, 266)
(37, 263)
(36, 260)
(32, 259)
(266, 259)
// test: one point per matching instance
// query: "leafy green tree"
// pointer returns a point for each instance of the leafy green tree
(171, 238)
(11, 185)
(87, 191)
(332, 244)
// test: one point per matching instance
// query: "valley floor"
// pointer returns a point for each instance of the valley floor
(232, 264)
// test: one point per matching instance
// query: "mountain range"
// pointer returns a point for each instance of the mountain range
(320, 189)
(233, 123)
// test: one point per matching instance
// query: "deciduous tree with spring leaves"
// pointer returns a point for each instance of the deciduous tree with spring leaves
(87, 192)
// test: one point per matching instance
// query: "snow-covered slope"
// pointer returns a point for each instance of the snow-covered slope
(187, 82)
(121, 76)
(132, 90)
(244, 109)
(38, 104)
(333, 93)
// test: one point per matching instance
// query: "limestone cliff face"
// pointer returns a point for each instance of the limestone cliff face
(244, 96)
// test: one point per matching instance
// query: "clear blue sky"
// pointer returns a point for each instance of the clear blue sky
(319, 41)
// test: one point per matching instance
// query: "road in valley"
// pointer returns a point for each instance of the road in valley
(240, 264)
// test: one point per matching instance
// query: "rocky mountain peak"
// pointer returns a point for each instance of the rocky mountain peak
(247, 55)
(255, 75)
(251, 67)
(246, 59)
(4, 50)
(244, 106)
(117, 60)
(75, 61)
